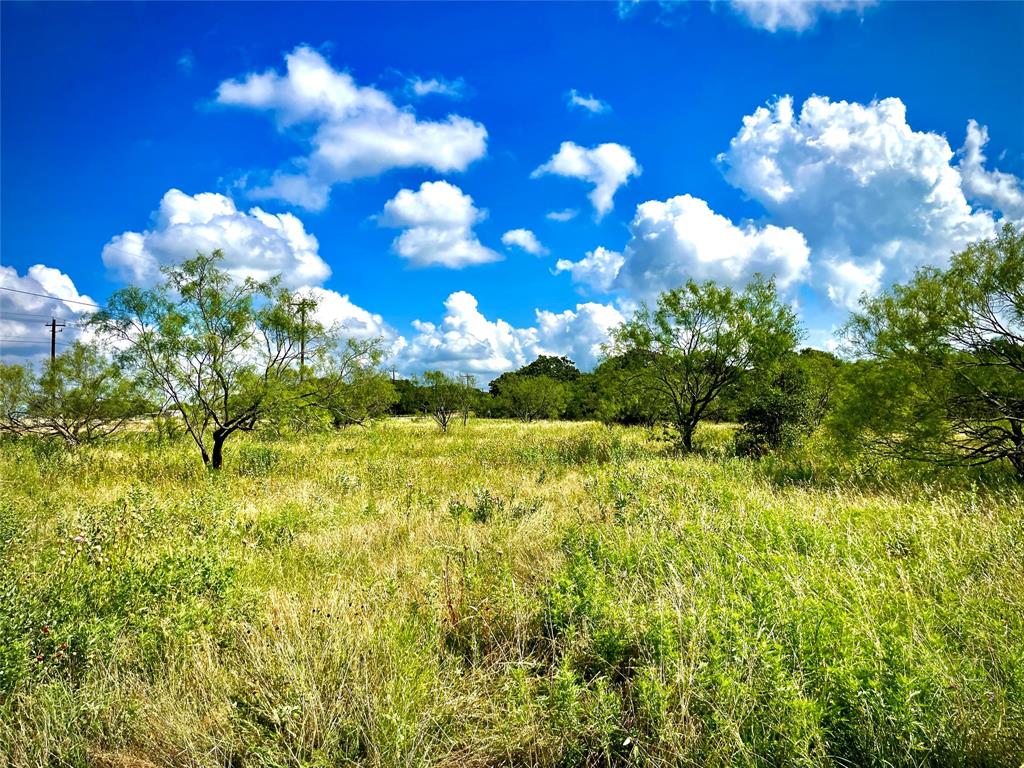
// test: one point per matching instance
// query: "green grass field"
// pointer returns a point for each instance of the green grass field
(507, 594)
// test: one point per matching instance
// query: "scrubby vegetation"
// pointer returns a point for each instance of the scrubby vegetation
(551, 593)
(736, 554)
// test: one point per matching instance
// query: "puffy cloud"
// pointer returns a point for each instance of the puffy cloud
(793, 15)
(1001, 191)
(23, 337)
(335, 310)
(598, 269)
(681, 238)
(359, 131)
(578, 334)
(256, 243)
(438, 221)
(562, 216)
(437, 86)
(467, 341)
(589, 103)
(525, 239)
(874, 198)
(847, 281)
(606, 166)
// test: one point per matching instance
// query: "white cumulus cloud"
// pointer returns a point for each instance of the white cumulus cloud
(874, 198)
(525, 239)
(578, 334)
(793, 15)
(606, 166)
(335, 310)
(438, 222)
(255, 243)
(597, 270)
(466, 341)
(848, 281)
(358, 130)
(682, 238)
(1002, 191)
(23, 337)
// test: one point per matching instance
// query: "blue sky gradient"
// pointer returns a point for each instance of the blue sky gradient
(106, 107)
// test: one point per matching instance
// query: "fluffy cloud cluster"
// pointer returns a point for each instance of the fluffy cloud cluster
(1002, 191)
(22, 316)
(597, 270)
(359, 131)
(579, 334)
(466, 341)
(793, 15)
(606, 166)
(874, 198)
(589, 103)
(525, 239)
(438, 221)
(682, 238)
(255, 243)
(337, 311)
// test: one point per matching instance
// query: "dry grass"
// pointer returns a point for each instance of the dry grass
(544, 594)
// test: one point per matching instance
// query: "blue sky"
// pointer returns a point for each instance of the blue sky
(859, 167)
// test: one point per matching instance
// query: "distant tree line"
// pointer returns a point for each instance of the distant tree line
(934, 370)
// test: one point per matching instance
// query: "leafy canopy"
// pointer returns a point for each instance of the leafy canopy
(701, 339)
(942, 378)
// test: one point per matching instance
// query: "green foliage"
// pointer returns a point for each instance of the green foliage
(560, 369)
(701, 340)
(352, 389)
(411, 398)
(541, 594)
(943, 374)
(443, 398)
(531, 397)
(779, 405)
(223, 351)
(124, 577)
(80, 396)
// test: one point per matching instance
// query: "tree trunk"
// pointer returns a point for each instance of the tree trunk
(688, 436)
(217, 460)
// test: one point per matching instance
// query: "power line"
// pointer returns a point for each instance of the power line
(26, 315)
(33, 341)
(48, 296)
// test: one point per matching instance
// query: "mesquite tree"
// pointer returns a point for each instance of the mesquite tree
(443, 397)
(700, 340)
(224, 352)
(942, 374)
(80, 396)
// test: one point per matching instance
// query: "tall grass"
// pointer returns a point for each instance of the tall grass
(507, 594)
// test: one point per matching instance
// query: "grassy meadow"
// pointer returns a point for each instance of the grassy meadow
(507, 594)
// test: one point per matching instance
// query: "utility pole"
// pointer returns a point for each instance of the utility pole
(303, 305)
(467, 383)
(392, 374)
(53, 325)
